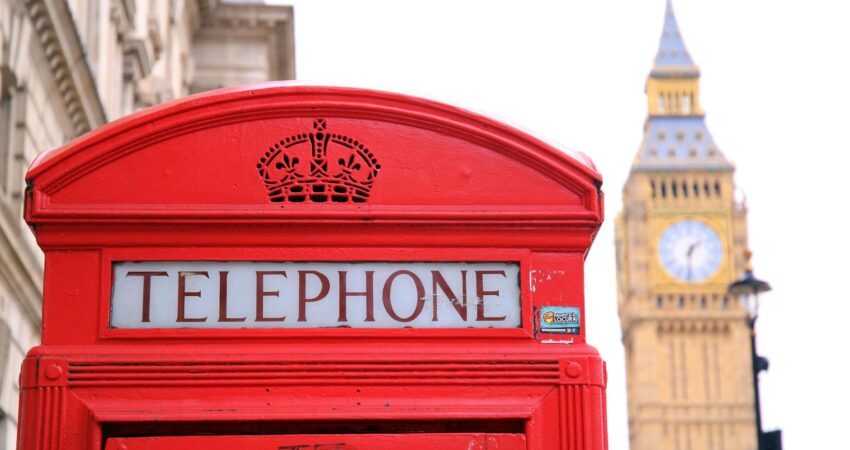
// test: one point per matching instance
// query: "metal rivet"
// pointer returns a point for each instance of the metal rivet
(53, 372)
(573, 370)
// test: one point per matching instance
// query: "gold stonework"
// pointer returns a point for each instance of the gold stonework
(688, 363)
(673, 96)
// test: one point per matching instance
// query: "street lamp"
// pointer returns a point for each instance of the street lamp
(747, 291)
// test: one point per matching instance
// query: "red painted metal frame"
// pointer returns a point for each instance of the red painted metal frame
(421, 441)
(178, 182)
(558, 394)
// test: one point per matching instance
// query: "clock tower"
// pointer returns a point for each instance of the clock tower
(681, 238)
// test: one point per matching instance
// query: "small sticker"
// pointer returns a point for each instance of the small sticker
(560, 319)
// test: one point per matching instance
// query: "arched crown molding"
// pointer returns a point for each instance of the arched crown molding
(57, 169)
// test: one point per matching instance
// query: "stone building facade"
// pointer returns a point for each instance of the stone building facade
(681, 239)
(67, 67)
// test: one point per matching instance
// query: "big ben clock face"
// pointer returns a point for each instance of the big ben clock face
(690, 251)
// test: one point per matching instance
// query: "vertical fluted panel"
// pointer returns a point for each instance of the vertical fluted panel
(573, 421)
(54, 403)
(41, 427)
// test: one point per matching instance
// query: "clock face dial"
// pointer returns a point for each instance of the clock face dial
(690, 251)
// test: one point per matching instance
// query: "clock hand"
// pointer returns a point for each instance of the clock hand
(690, 253)
(693, 247)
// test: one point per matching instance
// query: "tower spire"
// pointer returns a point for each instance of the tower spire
(672, 58)
(675, 135)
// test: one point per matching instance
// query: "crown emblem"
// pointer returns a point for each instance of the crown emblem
(318, 167)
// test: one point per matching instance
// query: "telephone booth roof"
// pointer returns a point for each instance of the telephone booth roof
(224, 156)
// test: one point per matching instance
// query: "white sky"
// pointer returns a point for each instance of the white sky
(776, 89)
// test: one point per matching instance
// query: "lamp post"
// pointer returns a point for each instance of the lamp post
(747, 291)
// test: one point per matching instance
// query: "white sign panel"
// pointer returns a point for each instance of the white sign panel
(175, 294)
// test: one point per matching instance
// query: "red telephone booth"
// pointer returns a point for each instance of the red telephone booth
(311, 268)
